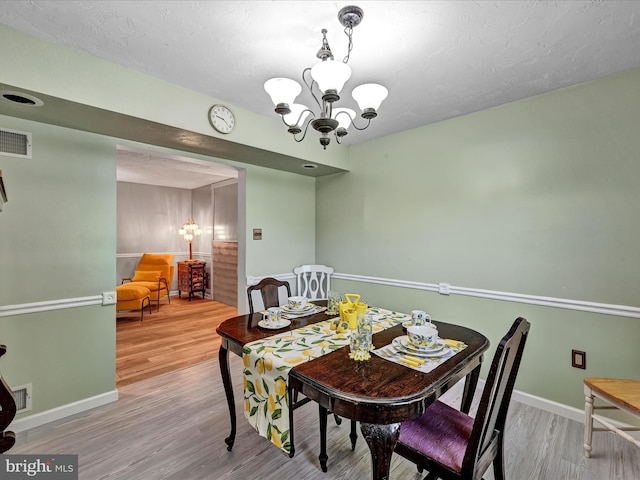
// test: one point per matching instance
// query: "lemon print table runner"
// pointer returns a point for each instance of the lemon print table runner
(266, 369)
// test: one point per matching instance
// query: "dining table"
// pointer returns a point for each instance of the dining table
(378, 393)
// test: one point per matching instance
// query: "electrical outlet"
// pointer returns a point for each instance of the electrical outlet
(108, 298)
(578, 359)
(443, 289)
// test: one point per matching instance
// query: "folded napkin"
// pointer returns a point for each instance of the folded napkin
(455, 344)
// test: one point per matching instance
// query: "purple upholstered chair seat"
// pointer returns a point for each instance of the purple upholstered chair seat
(441, 433)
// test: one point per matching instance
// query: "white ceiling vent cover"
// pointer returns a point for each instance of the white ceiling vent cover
(14, 143)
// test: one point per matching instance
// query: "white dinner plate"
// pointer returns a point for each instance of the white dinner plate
(282, 324)
(441, 351)
(304, 309)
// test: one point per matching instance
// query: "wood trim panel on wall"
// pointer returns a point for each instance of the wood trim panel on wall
(224, 282)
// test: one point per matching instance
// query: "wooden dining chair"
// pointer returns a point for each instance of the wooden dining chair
(269, 289)
(313, 281)
(453, 445)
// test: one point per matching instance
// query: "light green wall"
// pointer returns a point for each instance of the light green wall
(536, 197)
(57, 241)
(57, 238)
(283, 206)
(67, 355)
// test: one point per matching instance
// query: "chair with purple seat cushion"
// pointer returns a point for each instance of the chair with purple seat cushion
(453, 445)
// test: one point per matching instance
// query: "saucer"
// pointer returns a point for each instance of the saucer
(409, 323)
(282, 324)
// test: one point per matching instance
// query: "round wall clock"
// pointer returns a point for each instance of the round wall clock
(222, 119)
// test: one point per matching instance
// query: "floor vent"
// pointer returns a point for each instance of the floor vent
(14, 143)
(22, 394)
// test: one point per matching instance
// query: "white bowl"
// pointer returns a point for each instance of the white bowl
(296, 303)
(422, 335)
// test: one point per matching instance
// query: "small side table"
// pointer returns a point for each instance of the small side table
(192, 278)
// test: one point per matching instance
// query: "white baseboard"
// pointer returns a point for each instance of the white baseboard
(58, 413)
(550, 406)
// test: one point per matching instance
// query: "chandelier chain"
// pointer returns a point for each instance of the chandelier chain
(348, 31)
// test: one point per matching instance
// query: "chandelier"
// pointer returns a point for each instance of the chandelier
(325, 80)
(189, 230)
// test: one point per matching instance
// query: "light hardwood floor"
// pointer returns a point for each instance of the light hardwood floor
(181, 334)
(173, 427)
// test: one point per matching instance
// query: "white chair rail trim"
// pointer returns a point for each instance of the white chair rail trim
(35, 307)
(606, 308)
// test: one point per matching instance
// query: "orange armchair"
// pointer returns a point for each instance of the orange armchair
(154, 271)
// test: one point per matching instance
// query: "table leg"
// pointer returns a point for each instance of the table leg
(323, 414)
(353, 435)
(223, 358)
(470, 384)
(382, 441)
(293, 398)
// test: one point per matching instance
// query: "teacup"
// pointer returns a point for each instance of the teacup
(296, 303)
(419, 317)
(274, 315)
(422, 335)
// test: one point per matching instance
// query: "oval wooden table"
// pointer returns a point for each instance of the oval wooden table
(378, 393)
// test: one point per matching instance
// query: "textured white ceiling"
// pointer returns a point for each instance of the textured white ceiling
(439, 59)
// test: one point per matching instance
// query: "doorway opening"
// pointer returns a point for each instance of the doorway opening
(156, 194)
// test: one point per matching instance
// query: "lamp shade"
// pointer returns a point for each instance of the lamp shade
(369, 95)
(345, 118)
(331, 75)
(282, 90)
(297, 117)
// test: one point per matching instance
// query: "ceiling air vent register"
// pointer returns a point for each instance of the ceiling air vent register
(14, 143)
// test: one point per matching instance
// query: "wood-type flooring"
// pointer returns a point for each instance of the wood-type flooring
(181, 334)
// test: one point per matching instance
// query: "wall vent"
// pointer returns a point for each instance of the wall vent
(14, 143)
(22, 394)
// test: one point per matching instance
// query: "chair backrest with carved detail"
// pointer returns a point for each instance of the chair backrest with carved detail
(314, 281)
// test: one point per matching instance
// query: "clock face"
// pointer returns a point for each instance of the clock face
(222, 119)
